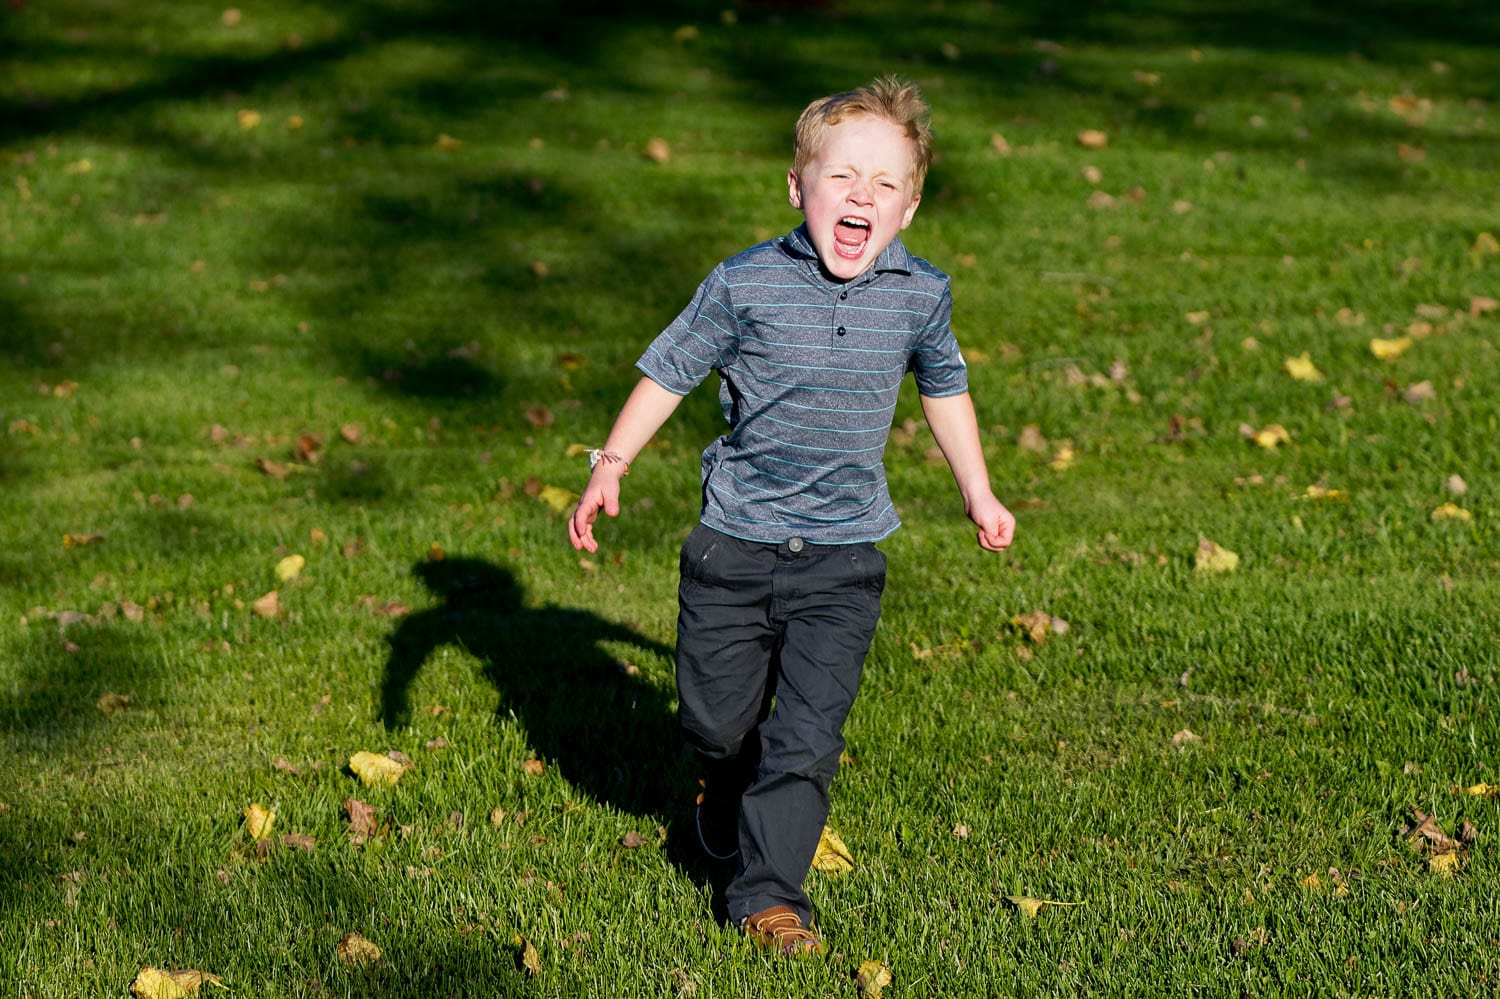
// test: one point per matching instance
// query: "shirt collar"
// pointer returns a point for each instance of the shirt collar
(895, 257)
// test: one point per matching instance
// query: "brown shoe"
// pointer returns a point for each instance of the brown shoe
(779, 928)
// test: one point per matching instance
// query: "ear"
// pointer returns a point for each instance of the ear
(794, 189)
(911, 210)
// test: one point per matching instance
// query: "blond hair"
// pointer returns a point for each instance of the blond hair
(889, 97)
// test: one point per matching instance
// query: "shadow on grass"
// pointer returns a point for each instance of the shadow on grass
(609, 733)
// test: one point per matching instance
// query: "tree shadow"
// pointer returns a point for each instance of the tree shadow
(609, 732)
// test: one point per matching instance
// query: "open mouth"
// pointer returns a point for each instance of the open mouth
(850, 234)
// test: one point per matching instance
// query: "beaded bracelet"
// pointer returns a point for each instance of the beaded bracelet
(609, 458)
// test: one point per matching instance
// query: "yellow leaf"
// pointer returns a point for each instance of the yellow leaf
(1444, 865)
(1386, 350)
(111, 703)
(1063, 459)
(448, 143)
(1302, 368)
(1271, 435)
(1485, 790)
(290, 567)
(258, 821)
(154, 983)
(248, 119)
(1312, 883)
(529, 959)
(1485, 245)
(375, 770)
(354, 948)
(1317, 492)
(833, 857)
(557, 498)
(1452, 511)
(1211, 558)
(1032, 906)
(871, 978)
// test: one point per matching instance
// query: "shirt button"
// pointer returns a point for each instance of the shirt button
(843, 295)
(841, 331)
(794, 544)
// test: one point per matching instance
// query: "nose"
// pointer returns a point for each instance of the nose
(860, 192)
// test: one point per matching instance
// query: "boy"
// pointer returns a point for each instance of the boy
(811, 335)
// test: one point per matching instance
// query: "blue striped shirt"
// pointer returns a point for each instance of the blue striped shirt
(809, 371)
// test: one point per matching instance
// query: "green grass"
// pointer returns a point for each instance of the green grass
(186, 288)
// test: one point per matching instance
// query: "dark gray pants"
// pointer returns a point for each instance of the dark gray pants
(771, 642)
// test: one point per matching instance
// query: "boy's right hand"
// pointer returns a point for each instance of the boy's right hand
(602, 493)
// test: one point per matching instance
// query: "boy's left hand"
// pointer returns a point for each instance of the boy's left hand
(997, 525)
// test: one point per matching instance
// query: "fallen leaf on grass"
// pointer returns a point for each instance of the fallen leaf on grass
(632, 840)
(1452, 511)
(290, 567)
(1268, 437)
(154, 983)
(299, 841)
(374, 770)
(1388, 350)
(1444, 865)
(362, 821)
(275, 470)
(81, 540)
(1093, 138)
(354, 948)
(832, 856)
(1427, 833)
(527, 958)
(1317, 492)
(657, 150)
(268, 605)
(533, 768)
(1484, 790)
(258, 821)
(1063, 459)
(557, 498)
(1456, 485)
(1480, 305)
(1032, 906)
(1302, 368)
(1485, 245)
(871, 978)
(112, 704)
(1419, 393)
(1031, 439)
(1211, 558)
(1185, 737)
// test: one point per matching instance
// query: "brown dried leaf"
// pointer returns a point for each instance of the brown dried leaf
(354, 948)
(533, 768)
(632, 840)
(540, 416)
(657, 150)
(112, 704)
(268, 605)
(362, 821)
(1093, 138)
(274, 469)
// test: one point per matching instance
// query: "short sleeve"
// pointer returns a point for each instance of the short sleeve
(935, 360)
(702, 338)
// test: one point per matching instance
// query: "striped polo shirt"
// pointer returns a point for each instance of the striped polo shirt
(809, 371)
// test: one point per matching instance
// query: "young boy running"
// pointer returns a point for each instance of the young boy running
(811, 335)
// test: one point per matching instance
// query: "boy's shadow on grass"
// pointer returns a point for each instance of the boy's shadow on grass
(607, 730)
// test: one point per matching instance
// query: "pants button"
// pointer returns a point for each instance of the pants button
(794, 544)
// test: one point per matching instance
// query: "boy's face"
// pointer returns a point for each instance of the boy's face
(857, 193)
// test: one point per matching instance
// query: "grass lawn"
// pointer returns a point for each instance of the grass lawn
(351, 283)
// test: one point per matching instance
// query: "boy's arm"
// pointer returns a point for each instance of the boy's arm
(640, 418)
(957, 432)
